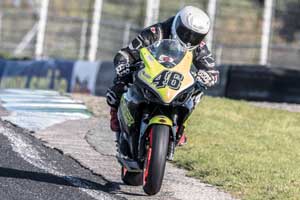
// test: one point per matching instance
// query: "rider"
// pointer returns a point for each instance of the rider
(189, 27)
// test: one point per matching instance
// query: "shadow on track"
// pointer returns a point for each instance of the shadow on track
(50, 178)
(109, 187)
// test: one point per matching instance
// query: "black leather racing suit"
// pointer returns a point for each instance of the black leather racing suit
(202, 59)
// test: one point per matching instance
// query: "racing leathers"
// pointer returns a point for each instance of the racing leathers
(203, 60)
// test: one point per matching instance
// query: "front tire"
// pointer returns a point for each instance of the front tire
(155, 161)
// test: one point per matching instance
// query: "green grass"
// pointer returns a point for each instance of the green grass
(251, 152)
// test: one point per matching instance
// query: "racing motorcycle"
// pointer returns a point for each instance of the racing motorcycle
(153, 112)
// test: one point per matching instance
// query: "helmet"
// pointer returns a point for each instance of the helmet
(190, 26)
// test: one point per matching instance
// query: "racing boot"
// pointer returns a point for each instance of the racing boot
(183, 140)
(121, 144)
(114, 122)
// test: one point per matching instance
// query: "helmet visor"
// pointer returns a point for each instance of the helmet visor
(186, 35)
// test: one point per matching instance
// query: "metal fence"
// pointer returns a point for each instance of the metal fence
(243, 32)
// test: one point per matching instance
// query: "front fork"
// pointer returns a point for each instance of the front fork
(145, 127)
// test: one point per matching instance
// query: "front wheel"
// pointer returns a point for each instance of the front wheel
(155, 161)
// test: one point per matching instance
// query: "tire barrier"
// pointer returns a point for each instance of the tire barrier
(262, 83)
(105, 78)
(259, 83)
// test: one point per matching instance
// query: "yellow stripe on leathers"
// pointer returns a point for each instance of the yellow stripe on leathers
(154, 68)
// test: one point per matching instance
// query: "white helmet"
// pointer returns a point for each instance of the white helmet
(190, 26)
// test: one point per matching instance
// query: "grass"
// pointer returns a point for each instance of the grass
(251, 152)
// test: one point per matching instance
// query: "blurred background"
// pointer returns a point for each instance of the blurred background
(69, 45)
(243, 32)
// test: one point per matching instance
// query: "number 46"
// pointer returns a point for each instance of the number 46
(168, 78)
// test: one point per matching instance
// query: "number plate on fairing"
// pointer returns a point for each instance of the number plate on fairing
(166, 82)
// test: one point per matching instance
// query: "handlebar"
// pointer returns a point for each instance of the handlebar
(134, 67)
(200, 86)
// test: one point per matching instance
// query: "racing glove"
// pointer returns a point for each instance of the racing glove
(205, 78)
(122, 69)
(113, 94)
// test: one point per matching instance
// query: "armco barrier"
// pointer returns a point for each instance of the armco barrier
(61, 75)
(32, 74)
(64, 68)
(2, 67)
(261, 83)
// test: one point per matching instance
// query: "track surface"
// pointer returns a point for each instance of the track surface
(29, 170)
(80, 163)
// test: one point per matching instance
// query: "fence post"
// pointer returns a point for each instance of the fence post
(26, 40)
(211, 9)
(266, 32)
(39, 49)
(0, 26)
(126, 34)
(219, 52)
(152, 12)
(95, 30)
(83, 38)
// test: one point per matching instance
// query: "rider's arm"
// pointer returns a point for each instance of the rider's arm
(205, 63)
(130, 54)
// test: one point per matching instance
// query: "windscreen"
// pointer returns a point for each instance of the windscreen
(167, 52)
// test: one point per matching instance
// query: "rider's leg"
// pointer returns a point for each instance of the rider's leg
(114, 122)
(183, 139)
(113, 96)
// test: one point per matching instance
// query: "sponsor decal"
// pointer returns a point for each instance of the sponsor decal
(126, 113)
(146, 75)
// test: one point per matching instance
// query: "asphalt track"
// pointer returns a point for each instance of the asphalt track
(31, 171)
(51, 148)
(28, 169)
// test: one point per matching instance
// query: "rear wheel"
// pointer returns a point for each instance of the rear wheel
(131, 178)
(155, 161)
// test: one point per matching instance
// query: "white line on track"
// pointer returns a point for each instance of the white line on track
(37, 100)
(44, 105)
(37, 96)
(32, 156)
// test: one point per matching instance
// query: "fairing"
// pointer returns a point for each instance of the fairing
(167, 82)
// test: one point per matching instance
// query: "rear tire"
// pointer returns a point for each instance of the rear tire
(131, 178)
(155, 161)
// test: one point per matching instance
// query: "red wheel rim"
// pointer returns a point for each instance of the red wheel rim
(146, 169)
